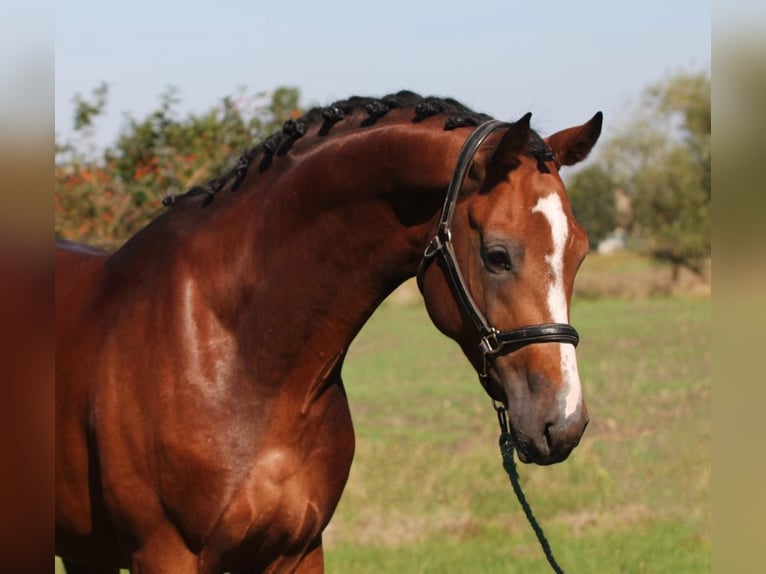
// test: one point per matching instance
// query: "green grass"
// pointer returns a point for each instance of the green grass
(427, 492)
(629, 275)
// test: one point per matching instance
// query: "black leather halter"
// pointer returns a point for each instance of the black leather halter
(493, 342)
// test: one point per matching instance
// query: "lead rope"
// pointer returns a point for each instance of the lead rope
(509, 464)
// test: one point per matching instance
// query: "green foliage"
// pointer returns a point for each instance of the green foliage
(591, 192)
(662, 158)
(86, 110)
(106, 197)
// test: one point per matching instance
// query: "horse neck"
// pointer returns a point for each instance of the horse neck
(316, 242)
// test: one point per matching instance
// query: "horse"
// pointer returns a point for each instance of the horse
(201, 420)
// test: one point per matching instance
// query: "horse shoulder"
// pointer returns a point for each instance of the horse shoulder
(293, 486)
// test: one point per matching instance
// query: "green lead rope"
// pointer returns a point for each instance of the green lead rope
(509, 464)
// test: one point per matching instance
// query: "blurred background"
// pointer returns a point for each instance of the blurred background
(153, 98)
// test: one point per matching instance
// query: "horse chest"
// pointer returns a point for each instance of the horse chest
(290, 492)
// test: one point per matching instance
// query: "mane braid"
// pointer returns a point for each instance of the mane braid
(372, 109)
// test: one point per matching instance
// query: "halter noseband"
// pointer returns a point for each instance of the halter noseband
(493, 342)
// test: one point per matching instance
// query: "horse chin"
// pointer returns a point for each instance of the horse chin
(531, 453)
(553, 458)
(523, 456)
(541, 459)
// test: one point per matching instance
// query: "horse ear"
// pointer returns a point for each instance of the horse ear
(573, 145)
(513, 142)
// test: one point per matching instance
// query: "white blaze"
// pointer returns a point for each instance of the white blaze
(550, 206)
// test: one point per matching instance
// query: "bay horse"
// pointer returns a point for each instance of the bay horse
(201, 420)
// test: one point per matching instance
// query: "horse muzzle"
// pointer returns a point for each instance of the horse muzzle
(552, 443)
(542, 433)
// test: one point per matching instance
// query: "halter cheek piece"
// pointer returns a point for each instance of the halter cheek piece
(493, 342)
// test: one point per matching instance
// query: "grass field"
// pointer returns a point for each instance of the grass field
(427, 492)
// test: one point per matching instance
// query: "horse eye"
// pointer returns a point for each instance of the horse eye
(499, 259)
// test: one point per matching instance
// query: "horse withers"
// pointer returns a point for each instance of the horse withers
(201, 420)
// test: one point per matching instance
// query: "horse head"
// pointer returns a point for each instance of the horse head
(504, 291)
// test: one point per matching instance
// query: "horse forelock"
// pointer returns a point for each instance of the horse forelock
(366, 111)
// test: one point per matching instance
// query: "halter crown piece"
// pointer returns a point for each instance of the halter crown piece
(493, 342)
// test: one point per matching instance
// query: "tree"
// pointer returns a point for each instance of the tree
(591, 192)
(662, 158)
(104, 198)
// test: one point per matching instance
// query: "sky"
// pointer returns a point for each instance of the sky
(561, 60)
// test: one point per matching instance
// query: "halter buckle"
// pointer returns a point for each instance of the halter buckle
(437, 244)
(489, 344)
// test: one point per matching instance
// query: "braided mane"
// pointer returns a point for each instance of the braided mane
(279, 143)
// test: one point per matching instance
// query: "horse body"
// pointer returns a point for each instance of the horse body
(155, 351)
(202, 424)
